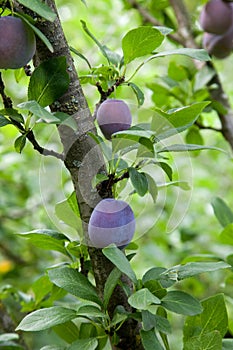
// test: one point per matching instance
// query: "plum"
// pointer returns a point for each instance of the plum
(216, 17)
(219, 46)
(17, 43)
(113, 116)
(112, 221)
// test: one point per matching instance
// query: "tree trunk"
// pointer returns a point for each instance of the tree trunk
(83, 159)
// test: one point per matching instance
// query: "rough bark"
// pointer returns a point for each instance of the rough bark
(83, 159)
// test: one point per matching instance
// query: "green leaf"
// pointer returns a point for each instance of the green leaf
(47, 239)
(222, 211)
(13, 114)
(134, 134)
(194, 268)
(184, 185)
(150, 340)
(20, 143)
(140, 41)
(74, 282)
(87, 330)
(138, 92)
(68, 211)
(139, 181)
(76, 52)
(67, 331)
(49, 81)
(38, 111)
(118, 318)
(152, 187)
(53, 347)
(113, 56)
(227, 344)
(41, 287)
(166, 168)
(84, 344)
(156, 273)
(8, 336)
(100, 46)
(166, 124)
(65, 119)
(4, 121)
(194, 136)
(142, 299)
(40, 8)
(213, 318)
(188, 147)
(203, 77)
(117, 257)
(36, 31)
(197, 54)
(226, 236)
(110, 285)
(207, 341)
(46, 318)
(146, 148)
(90, 311)
(181, 303)
(155, 288)
(148, 320)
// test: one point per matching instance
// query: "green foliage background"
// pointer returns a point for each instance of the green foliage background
(28, 195)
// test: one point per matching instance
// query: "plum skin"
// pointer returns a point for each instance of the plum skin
(112, 116)
(17, 43)
(219, 46)
(112, 221)
(216, 17)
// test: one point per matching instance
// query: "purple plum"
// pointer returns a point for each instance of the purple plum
(219, 46)
(216, 17)
(112, 221)
(17, 43)
(113, 116)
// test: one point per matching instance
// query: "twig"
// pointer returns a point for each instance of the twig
(7, 102)
(184, 23)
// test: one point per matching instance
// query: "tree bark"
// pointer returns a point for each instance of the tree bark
(83, 159)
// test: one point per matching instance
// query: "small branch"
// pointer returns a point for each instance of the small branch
(7, 102)
(43, 151)
(184, 23)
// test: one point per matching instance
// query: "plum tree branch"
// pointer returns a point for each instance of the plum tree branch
(186, 38)
(28, 133)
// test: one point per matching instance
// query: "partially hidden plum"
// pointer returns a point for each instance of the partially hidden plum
(216, 17)
(112, 221)
(219, 46)
(113, 116)
(17, 43)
